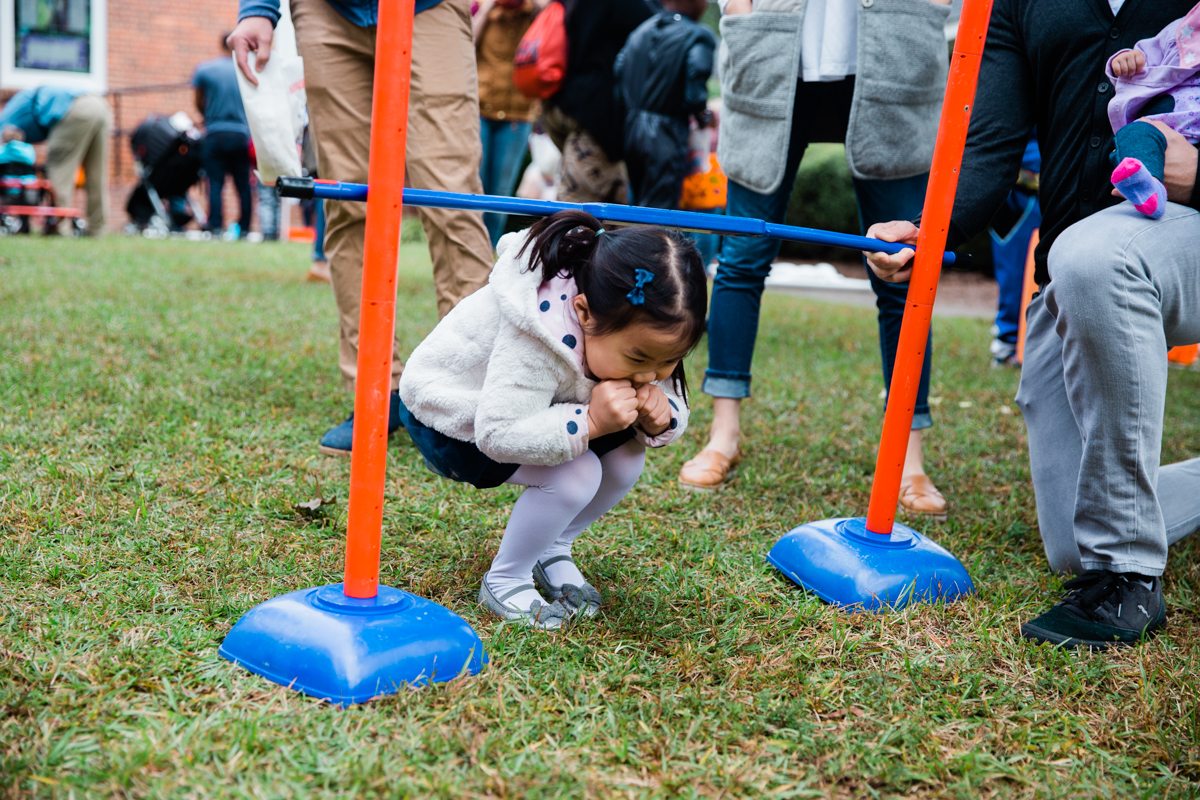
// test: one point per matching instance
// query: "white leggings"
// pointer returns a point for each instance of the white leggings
(559, 504)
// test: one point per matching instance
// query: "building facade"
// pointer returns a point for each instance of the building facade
(139, 53)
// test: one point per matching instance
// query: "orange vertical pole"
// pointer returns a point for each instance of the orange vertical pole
(385, 176)
(927, 264)
(1028, 289)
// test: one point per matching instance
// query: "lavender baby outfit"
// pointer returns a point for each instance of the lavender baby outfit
(1172, 70)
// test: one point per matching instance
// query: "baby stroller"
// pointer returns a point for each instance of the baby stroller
(166, 152)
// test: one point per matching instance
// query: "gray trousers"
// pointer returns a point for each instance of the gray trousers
(1124, 288)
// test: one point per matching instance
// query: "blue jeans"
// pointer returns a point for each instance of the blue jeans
(227, 153)
(268, 212)
(504, 146)
(1009, 255)
(745, 263)
(319, 239)
(709, 244)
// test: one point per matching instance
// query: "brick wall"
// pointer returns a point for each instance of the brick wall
(152, 43)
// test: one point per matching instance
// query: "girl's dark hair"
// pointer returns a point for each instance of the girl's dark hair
(603, 265)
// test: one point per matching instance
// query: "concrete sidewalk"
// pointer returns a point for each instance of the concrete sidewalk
(960, 294)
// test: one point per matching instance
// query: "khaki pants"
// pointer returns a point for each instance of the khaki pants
(81, 138)
(443, 150)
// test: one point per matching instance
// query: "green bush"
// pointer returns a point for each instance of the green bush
(822, 197)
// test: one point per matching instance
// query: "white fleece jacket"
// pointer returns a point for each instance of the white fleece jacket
(492, 373)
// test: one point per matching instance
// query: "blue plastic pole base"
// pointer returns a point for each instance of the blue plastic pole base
(345, 650)
(846, 565)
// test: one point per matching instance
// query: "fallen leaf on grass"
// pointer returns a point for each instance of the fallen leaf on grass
(312, 508)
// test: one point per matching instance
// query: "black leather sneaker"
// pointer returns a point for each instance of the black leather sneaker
(1100, 609)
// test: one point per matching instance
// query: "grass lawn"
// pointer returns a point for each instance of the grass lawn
(160, 404)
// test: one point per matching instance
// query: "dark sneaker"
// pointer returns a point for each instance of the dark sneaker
(337, 441)
(1101, 609)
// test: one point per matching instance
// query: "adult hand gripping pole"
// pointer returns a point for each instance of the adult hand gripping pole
(307, 188)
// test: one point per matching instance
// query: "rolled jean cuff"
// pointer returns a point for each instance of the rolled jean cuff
(726, 384)
(922, 420)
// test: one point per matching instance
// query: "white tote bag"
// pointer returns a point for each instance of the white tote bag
(276, 109)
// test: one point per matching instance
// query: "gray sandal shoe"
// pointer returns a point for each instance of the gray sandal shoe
(577, 600)
(541, 616)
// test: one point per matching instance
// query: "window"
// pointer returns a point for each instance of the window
(52, 42)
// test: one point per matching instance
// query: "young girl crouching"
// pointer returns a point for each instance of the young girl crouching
(556, 376)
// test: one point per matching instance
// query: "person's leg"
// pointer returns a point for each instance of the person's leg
(66, 147)
(1056, 450)
(318, 271)
(213, 159)
(743, 266)
(1055, 446)
(268, 212)
(587, 174)
(880, 201)
(554, 497)
(820, 112)
(1009, 257)
(487, 166)
(95, 162)
(621, 469)
(1124, 289)
(1179, 498)
(239, 168)
(444, 147)
(319, 239)
(510, 140)
(339, 67)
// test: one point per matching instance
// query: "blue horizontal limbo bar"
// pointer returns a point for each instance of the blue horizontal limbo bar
(609, 212)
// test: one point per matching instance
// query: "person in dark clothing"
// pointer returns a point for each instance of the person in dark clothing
(582, 118)
(1117, 289)
(227, 137)
(662, 80)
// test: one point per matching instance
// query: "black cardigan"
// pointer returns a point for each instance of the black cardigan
(1043, 65)
(596, 32)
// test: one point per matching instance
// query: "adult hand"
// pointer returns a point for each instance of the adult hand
(738, 7)
(252, 33)
(614, 407)
(654, 412)
(893, 268)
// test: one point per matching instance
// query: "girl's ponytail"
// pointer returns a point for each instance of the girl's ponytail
(562, 244)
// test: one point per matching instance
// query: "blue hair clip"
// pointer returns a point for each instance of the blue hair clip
(640, 278)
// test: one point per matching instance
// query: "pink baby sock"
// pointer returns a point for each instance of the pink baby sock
(1145, 191)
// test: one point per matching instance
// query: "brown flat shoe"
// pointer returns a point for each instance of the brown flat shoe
(919, 496)
(318, 272)
(709, 470)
